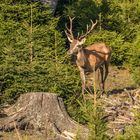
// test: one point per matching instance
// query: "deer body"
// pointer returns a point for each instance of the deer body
(91, 58)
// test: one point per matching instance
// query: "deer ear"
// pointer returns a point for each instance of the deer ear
(82, 41)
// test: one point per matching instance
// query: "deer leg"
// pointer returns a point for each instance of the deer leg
(82, 75)
(83, 82)
(106, 71)
(102, 79)
(105, 77)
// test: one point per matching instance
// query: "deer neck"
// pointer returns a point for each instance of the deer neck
(81, 57)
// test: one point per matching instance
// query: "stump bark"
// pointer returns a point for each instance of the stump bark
(42, 112)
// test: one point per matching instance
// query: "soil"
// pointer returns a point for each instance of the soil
(119, 78)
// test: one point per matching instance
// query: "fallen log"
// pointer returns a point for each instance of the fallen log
(42, 112)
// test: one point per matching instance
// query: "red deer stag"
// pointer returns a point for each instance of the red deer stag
(91, 58)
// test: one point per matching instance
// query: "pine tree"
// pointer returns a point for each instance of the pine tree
(33, 54)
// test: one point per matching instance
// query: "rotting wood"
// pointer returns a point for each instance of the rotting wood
(120, 110)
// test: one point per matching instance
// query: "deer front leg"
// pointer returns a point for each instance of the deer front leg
(82, 75)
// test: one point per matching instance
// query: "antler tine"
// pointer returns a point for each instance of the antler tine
(71, 19)
(67, 29)
(78, 35)
(93, 24)
(88, 30)
(70, 29)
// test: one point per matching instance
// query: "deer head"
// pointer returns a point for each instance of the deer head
(75, 43)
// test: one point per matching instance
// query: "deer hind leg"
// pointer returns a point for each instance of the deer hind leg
(106, 64)
(104, 75)
(102, 78)
(106, 71)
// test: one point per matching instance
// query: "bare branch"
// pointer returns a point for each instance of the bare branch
(130, 96)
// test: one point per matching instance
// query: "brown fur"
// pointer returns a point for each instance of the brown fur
(93, 57)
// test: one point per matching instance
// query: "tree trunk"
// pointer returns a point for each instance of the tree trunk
(42, 112)
(52, 3)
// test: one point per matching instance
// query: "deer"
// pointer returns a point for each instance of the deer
(90, 58)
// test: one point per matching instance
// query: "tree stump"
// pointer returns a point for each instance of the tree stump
(42, 112)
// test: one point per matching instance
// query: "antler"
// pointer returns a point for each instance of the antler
(88, 30)
(68, 32)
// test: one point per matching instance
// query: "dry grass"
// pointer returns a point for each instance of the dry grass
(23, 136)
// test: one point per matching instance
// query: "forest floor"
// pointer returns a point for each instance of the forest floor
(118, 80)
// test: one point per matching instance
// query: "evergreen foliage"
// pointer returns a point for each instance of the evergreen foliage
(33, 55)
(135, 59)
(94, 118)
